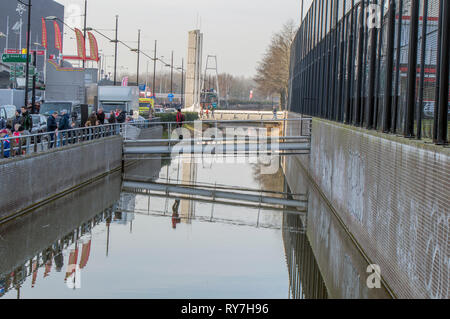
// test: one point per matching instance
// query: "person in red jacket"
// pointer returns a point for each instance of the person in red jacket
(180, 118)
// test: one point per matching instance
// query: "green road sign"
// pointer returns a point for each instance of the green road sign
(15, 58)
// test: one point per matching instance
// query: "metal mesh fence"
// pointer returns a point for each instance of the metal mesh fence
(375, 64)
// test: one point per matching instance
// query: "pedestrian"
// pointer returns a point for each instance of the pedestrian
(52, 127)
(275, 112)
(179, 118)
(18, 119)
(27, 121)
(92, 119)
(122, 117)
(175, 215)
(101, 116)
(2, 123)
(112, 118)
(64, 125)
(18, 130)
(6, 143)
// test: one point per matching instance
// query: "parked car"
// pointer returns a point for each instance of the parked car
(159, 110)
(428, 109)
(170, 110)
(39, 124)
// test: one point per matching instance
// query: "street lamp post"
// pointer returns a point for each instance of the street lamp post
(115, 54)
(138, 52)
(84, 31)
(27, 72)
(154, 72)
(45, 60)
(182, 83)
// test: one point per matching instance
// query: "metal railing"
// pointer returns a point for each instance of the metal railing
(14, 146)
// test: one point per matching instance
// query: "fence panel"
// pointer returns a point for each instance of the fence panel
(374, 64)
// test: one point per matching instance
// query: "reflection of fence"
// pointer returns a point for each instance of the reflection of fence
(383, 76)
(305, 279)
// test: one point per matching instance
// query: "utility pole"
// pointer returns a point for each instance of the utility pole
(138, 52)
(85, 20)
(154, 72)
(33, 96)
(182, 83)
(171, 75)
(27, 72)
(115, 54)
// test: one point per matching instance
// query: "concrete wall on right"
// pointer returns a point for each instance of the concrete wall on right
(392, 196)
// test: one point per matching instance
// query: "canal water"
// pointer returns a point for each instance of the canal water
(107, 242)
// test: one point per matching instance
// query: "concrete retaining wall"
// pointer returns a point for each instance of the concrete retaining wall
(392, 195)
(31, 179)
(342, 266)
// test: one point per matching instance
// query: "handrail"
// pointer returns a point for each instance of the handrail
(54, 139)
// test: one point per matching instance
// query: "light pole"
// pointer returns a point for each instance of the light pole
(84, 30)
(182, 83)
(138, 51)
(27, 72)
(171, 75)
(45, 59)
(115, 54)
(154, 73)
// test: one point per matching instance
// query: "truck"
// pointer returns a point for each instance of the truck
(12, 97)
(124, 98)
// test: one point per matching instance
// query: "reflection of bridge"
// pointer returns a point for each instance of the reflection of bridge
(216, 194)
(255, 219)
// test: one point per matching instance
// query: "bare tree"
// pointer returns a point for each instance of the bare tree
(272, 73)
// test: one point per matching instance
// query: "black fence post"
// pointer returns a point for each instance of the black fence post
(412, 71)
(444, 73)
(388, 98)
(419, 112)
(438, 73)
(347, 117)
(359, 72)
(397, 69)
(372, 76)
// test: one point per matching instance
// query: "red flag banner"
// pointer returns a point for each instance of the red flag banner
(80, 44)
(44, 34)
(58, 41)
(94, 47)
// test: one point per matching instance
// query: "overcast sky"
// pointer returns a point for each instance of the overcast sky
(237, 31)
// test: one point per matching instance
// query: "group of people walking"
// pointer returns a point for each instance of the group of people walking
(20, 125)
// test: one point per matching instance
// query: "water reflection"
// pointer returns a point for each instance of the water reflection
(157, 246)
(305, 279)
(72, 250)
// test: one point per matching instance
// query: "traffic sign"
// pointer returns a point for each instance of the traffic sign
(170, 96)
(14, 58)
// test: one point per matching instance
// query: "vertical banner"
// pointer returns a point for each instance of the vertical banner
(44, 34)
(94, 47)
(58, 41)
(81, 47)
(125, 81)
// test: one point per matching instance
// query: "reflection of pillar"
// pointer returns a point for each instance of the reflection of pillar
(188, 176)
